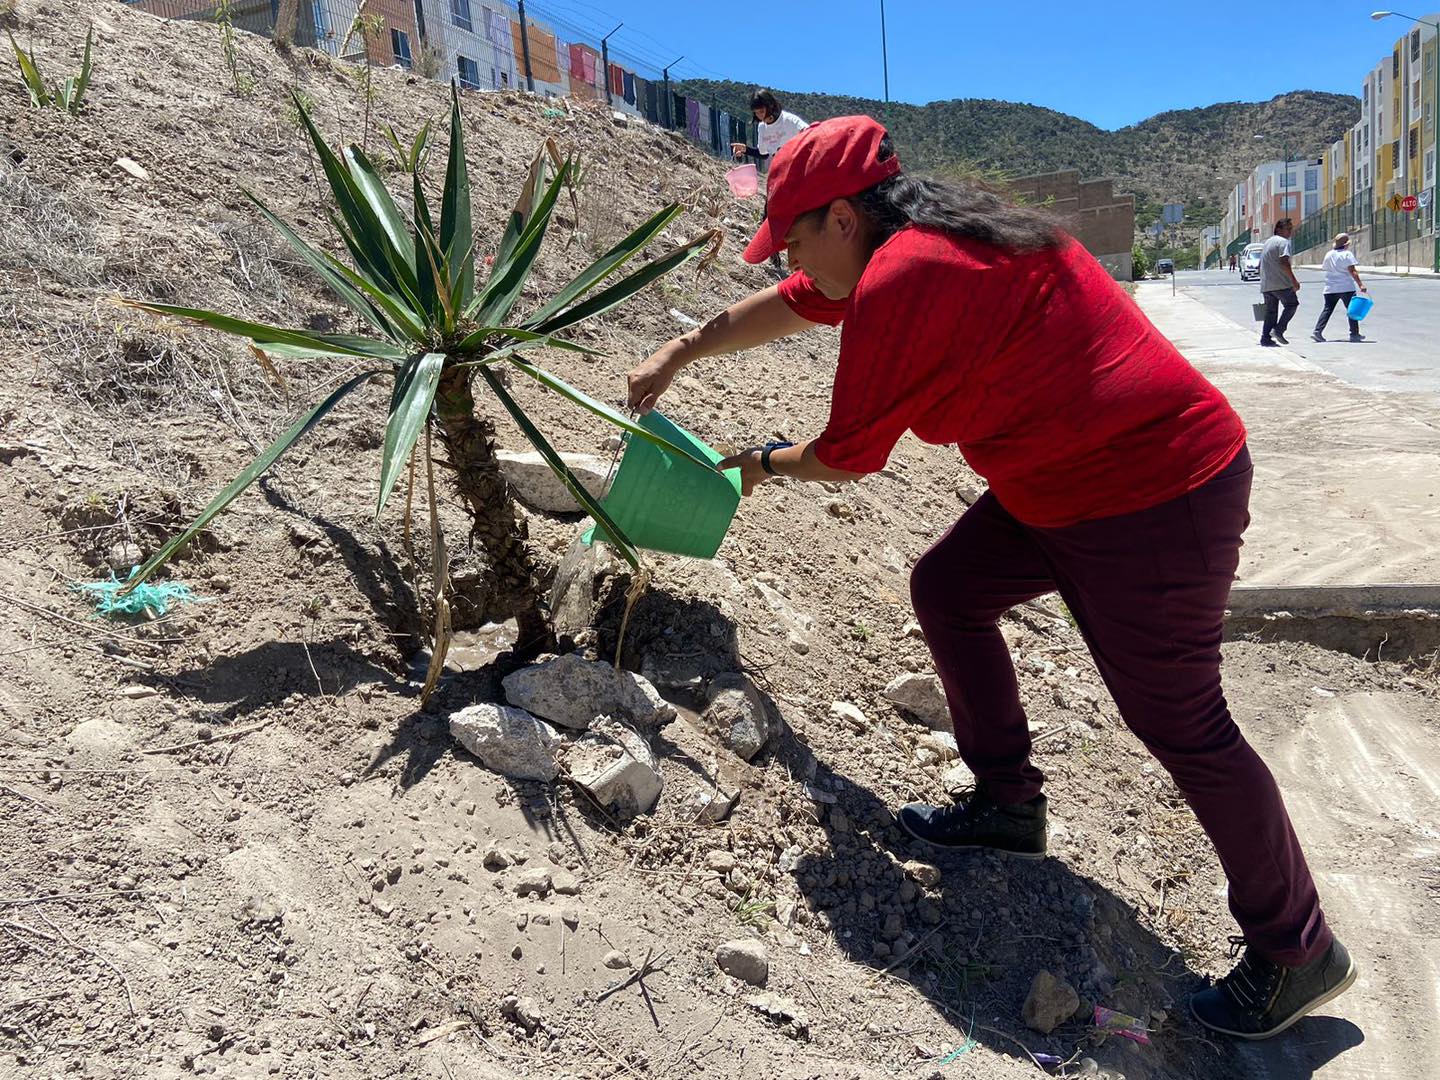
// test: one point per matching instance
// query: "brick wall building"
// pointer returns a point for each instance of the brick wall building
(1089, 210)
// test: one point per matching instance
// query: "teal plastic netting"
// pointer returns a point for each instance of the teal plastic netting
(155, 599)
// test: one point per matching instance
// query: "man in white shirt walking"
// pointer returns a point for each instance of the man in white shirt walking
(1342, 279)
(1279, 284)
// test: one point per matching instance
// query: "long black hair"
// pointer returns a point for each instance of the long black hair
(765, 99)
(962, 208)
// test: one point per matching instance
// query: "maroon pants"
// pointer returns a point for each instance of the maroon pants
(1148, 592)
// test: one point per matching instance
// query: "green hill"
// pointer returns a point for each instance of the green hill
(1189, 155)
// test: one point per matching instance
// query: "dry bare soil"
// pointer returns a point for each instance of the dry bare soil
(233, 842)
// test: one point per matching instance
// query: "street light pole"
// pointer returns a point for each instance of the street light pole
(884, 52)
(1434, 128)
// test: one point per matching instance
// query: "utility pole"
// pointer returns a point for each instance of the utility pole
(884, 52)
(605, 62)
(525, 48)
(669, 100)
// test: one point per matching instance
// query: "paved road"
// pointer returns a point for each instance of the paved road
(1403, 327)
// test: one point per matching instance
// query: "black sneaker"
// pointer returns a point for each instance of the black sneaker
(975, 820)
(1280, 337)
(1317, 336)
(1357, 337)
(1260, 998)
(1269, 344)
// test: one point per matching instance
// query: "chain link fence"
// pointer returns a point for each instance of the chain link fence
(1388, 228)
(482, 46)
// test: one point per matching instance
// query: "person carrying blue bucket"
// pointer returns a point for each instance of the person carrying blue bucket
(1118, 476)
(1342, 280)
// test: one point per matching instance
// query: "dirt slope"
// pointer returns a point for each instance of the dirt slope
(309, 894)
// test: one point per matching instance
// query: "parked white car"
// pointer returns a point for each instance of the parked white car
(1250, 262)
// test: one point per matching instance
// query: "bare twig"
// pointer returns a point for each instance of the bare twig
(21, 901)
(650, 965)
(909, 953)
(235, 734)
(124, 982)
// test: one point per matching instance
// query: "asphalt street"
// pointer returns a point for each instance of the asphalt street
(1403, 329)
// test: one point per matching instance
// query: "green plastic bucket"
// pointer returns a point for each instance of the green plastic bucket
(664, 502)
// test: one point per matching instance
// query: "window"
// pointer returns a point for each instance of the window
(1288, 180)
(1288, 203)
(1415, 45)
(1395, 155)
(469, 72)
(1312, 180)
(400, 46)
(1414, 144)
(1395, 64)
(1312, 205)
(1429, 168)
(460, 16)
(1367, 95)
(1367, 136)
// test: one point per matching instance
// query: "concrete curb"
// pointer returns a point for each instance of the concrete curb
(1250, 600)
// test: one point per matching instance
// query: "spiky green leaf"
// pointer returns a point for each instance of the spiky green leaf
(425, 238)
(494, 303)
(519, 217)
(608, 263)
(622, 543)
(409, 410)
(377, 197)
(246, 478)
(262, 334)
(30, 75)
(456, 230)
(370, 243)
(626, 287)
(605, 412)
(82, 83)
(511, 339)
(317, 261)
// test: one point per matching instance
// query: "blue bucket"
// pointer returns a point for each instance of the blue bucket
(1359, 307)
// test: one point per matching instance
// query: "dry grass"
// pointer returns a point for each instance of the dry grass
(45, 233)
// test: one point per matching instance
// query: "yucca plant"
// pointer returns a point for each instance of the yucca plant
(69, 97)
(434, 333)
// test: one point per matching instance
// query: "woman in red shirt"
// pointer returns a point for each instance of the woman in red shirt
(1117, 475)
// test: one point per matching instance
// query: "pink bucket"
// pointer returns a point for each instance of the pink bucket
(744, 181)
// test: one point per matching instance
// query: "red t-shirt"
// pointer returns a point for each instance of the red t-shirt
(1054, 385)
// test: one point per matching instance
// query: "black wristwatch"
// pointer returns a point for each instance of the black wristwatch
(765, 455)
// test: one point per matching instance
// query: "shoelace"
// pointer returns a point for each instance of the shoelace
(1252, 983)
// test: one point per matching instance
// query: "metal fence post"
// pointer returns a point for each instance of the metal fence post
(525, 48)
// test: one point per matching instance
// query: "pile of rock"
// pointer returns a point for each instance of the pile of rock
(612, 714)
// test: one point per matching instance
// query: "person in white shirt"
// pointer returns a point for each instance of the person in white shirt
(1342, 279)
(776, 127)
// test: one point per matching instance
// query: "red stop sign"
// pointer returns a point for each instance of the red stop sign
(1409, 204)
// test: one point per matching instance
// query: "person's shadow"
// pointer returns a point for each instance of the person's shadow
(972, 943)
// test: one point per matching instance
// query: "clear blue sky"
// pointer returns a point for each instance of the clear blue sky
(1103, 64)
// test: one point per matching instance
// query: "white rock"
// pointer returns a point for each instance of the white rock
(745, 959)
(709, 807)
(843, 710)
(616, 960)
(615, 765)
(536, 880)
(957, 777)
(1051, 1002)
(738, 714)
(536, 485)
(509, 741)
(922, 873)
(572, 691)
(923, 697)
(943, 743)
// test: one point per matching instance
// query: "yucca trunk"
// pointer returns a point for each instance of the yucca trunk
(470, 442)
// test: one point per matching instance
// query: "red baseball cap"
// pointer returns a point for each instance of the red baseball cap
(829, 160)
